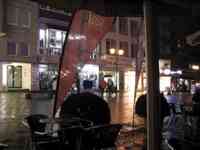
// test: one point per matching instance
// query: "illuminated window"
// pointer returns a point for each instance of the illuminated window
(42, 38)
(52, 40)
(56, 38)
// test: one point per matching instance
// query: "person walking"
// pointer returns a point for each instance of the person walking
(102, 86)
(110, 86)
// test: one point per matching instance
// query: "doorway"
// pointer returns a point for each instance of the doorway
(14, 79)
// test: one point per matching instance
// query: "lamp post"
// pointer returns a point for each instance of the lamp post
(116, 53)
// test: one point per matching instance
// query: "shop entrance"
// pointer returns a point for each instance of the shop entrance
(14, 79)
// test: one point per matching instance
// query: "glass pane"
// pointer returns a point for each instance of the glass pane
(18, 77)
(11, 46)
(10, 76)
(42, 38)
(23, 49)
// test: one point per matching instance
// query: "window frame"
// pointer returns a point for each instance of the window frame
(16, 47)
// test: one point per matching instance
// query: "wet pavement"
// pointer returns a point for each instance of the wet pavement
(14, 107)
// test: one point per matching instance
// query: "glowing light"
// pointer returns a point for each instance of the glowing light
(167, 71)
(112, 51)
(59, 35)
(120, 52)
(195, 67)
(42, 34)
(76, 37)
(171, 72)
(179, 72)
(42, 68)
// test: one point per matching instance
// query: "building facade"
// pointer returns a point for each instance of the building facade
(18, 45)
(121, 67)
(31, 42)
(53, 25)
(32, 37)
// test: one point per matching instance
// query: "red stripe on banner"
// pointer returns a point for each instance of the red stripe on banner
(86, 31)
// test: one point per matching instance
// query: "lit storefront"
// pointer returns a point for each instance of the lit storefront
(15, 76)
(46, 74)
(90, 72)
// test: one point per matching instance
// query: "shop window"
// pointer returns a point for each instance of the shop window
(110, 43)
(123, 26)
(11, 48)
(23, 49)
(124, 45)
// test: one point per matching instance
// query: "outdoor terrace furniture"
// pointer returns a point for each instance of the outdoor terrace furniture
(40, 139)
(101, 136)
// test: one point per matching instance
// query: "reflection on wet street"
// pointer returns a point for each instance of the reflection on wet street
(122, 108)
(14, 107)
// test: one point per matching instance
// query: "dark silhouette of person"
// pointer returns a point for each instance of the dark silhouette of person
(86, 106)
(196, 96)
(140, 107)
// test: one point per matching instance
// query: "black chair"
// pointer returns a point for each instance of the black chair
(71, 137)
(101, 136)
(41, 140)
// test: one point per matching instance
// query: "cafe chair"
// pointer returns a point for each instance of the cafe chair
(101, 136)
(71, 137)
(40, 139)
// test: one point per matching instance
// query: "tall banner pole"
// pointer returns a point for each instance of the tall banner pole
(61, 63)
(138, 60)
(152, 56)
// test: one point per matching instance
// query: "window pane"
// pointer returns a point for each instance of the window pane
(123, 26)
(11, 47)
(133, 26)
(25, 18)
(52, 38)
(12, 15)
(114, 27)
(55, 38)
(110, 43)
(23, 49)
(133, 50)
(42, 38)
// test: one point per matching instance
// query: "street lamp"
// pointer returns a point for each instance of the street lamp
(116, 53)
